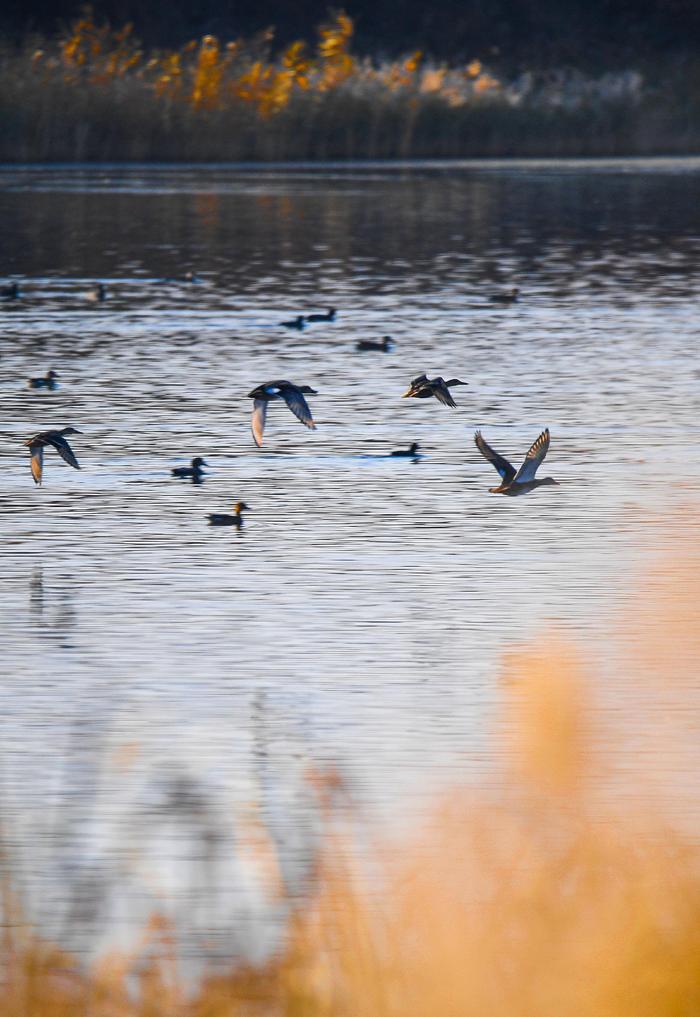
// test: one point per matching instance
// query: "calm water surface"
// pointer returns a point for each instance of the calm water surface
(168, 688)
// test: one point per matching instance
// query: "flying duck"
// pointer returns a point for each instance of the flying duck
(383, 346)
(328, 316)
(57, 440)
(423, 387)
(411, 452)
(293, 395)
(48, 381)
(509, 297)
(220, 519)
(193, 472)
(523, 480)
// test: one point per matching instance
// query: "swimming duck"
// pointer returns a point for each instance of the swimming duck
(509, 297)
(188, 277)
(298, 323)
(57, 440)
(293, 395)
(220, 519)
(193, 472)
(423, 387)
(384, 346)
(11, 292)
(97, 294)
(328, 316)
(522, 481)
(48, 381)
(408, 452)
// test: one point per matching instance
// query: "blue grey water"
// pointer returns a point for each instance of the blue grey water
(170, 689)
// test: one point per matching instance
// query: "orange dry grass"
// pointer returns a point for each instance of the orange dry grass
(544, 899)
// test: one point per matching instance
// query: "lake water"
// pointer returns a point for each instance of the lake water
(170, 688)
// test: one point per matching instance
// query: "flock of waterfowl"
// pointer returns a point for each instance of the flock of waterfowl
(513, 482)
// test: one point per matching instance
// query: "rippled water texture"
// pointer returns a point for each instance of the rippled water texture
(169, 687)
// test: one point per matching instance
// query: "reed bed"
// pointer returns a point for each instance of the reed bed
(94, 94)
(547, 896)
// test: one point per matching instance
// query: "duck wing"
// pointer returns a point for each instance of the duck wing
(64, 450)
(36, 451)
(298, 405)
(504, 468)
(258, 422)
(533, 459)
(442, 392)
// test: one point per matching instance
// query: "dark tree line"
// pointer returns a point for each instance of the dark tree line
(591, 34)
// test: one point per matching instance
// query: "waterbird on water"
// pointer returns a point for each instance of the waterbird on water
(57, 440)
(192, 472)
(221, 519)
(298, 323)
(523, 480)
(48, 381)
(293, 396)
(188, 277)
(97, 294)
(509, 297)
(328, 316)
(11, 292)
(423, 387)
(411, 452)
(383, 346)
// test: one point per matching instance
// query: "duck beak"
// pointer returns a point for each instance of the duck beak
(406, 393)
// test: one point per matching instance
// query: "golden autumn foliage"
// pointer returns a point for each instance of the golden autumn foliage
(210, 75)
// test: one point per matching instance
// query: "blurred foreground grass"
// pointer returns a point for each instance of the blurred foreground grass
(94, 94)
(541, 895)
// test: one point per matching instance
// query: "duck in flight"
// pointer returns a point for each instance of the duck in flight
(423, 387)
(48, 381)
(522, 481)
(509, 297)
(328, 316)
(411, 452)
(221, 519)
(293, 396)
(383, 346)
(193, 472)
(57, 440)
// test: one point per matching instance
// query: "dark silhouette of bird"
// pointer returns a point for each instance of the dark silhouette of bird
(508, 297)
(293, 396)
(221, 519)
(193, 472)
(328, 316)
(299, 323)
(48, 381)
(423, 387)
(11, 292)
(54, 439)
(383, 346)
(411, 452)
(523, 480)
